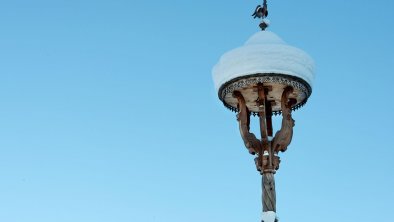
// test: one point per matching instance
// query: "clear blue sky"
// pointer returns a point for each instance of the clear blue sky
(108, 112)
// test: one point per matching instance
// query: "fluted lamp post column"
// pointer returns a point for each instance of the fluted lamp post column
(265, 77)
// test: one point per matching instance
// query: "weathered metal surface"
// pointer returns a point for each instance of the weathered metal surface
(283, 137)
(243, 117)
(269, 193)
(267, 160)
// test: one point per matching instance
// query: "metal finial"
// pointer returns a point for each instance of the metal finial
(261, 12)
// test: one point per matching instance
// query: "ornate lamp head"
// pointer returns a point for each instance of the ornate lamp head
(265, 58)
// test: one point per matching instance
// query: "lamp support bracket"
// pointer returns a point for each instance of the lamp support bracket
(267, 160)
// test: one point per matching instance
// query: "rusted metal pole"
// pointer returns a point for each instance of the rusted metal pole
(267, 156)
(268, 111)
(262, 116)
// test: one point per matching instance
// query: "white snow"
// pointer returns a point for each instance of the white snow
(268, 216)
(264, 52)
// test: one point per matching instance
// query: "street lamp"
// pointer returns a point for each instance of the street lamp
(265, 77)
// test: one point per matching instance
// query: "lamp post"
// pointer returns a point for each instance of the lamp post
(265, 77)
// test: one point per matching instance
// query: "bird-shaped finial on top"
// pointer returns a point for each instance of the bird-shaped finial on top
(262, 12)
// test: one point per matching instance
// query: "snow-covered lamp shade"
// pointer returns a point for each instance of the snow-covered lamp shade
(265, 58)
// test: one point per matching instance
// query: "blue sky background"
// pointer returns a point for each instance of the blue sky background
(109, 113)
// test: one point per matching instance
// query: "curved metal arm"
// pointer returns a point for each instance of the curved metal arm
(283, 137)
(243, 117)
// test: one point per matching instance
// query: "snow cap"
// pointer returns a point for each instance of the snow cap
(268, 216)
(263, 53)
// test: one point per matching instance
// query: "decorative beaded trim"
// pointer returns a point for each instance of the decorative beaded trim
(245, 81)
